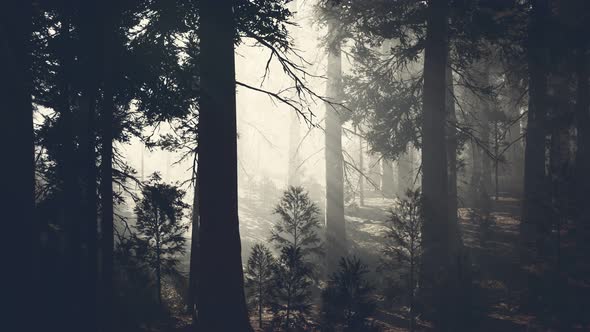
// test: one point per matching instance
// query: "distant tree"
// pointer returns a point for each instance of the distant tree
(347, 299)
(299, 223)
(259, 278)
(291, 293)
(160, 227)
(403, 244)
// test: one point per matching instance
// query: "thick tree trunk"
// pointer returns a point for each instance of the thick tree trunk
(89, 33)
(387, 183)
(222, 304)
(439, 252)
(21, 286)
(534, 225)
(335, 229)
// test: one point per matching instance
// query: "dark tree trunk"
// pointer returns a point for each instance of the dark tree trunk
(222, 304)
(534, 225)
(439, 252)
(335, 228)
(110, 14)
(89, 33)
(18, 183)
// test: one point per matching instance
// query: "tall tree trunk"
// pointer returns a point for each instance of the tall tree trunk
(221, 284)
(109, 19)
(387, 183)
(194, 260)
(89, 33)
(437, 235)
(18, 183)
(335, 228)
(534, 224)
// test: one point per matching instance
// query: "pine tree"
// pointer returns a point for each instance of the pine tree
(299, 223)
(259, 279)
(160, 227)
(403, 246)
(291, 293)
(347, 299)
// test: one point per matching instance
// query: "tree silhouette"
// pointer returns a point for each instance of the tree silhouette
(259, 276)
(160, 227)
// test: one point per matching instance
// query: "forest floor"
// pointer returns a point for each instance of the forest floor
(498, 278)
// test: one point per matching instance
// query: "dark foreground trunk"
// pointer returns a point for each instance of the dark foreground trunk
(222, 305)
(18, 184)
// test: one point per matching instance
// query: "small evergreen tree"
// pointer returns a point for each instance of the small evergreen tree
(259, 279)
(403, 244)
(347, 298)
(291, 294)
(160, 227)
(299, 223)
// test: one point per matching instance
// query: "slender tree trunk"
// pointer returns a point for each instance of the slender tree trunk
(362, 169)
(437, 235)
(194, 260)
(158, 256)
(21, 285)
(335, 228)
(221, 283)
(534, 225)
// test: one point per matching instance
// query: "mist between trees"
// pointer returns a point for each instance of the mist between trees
(296, 165)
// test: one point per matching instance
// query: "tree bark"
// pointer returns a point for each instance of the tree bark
(335, 228)
(362, 171)
(439, 251)
(222, 305)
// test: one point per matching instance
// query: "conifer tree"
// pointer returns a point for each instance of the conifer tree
(160, 227)
(347, 299)
(259, 279)
(291, 294)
